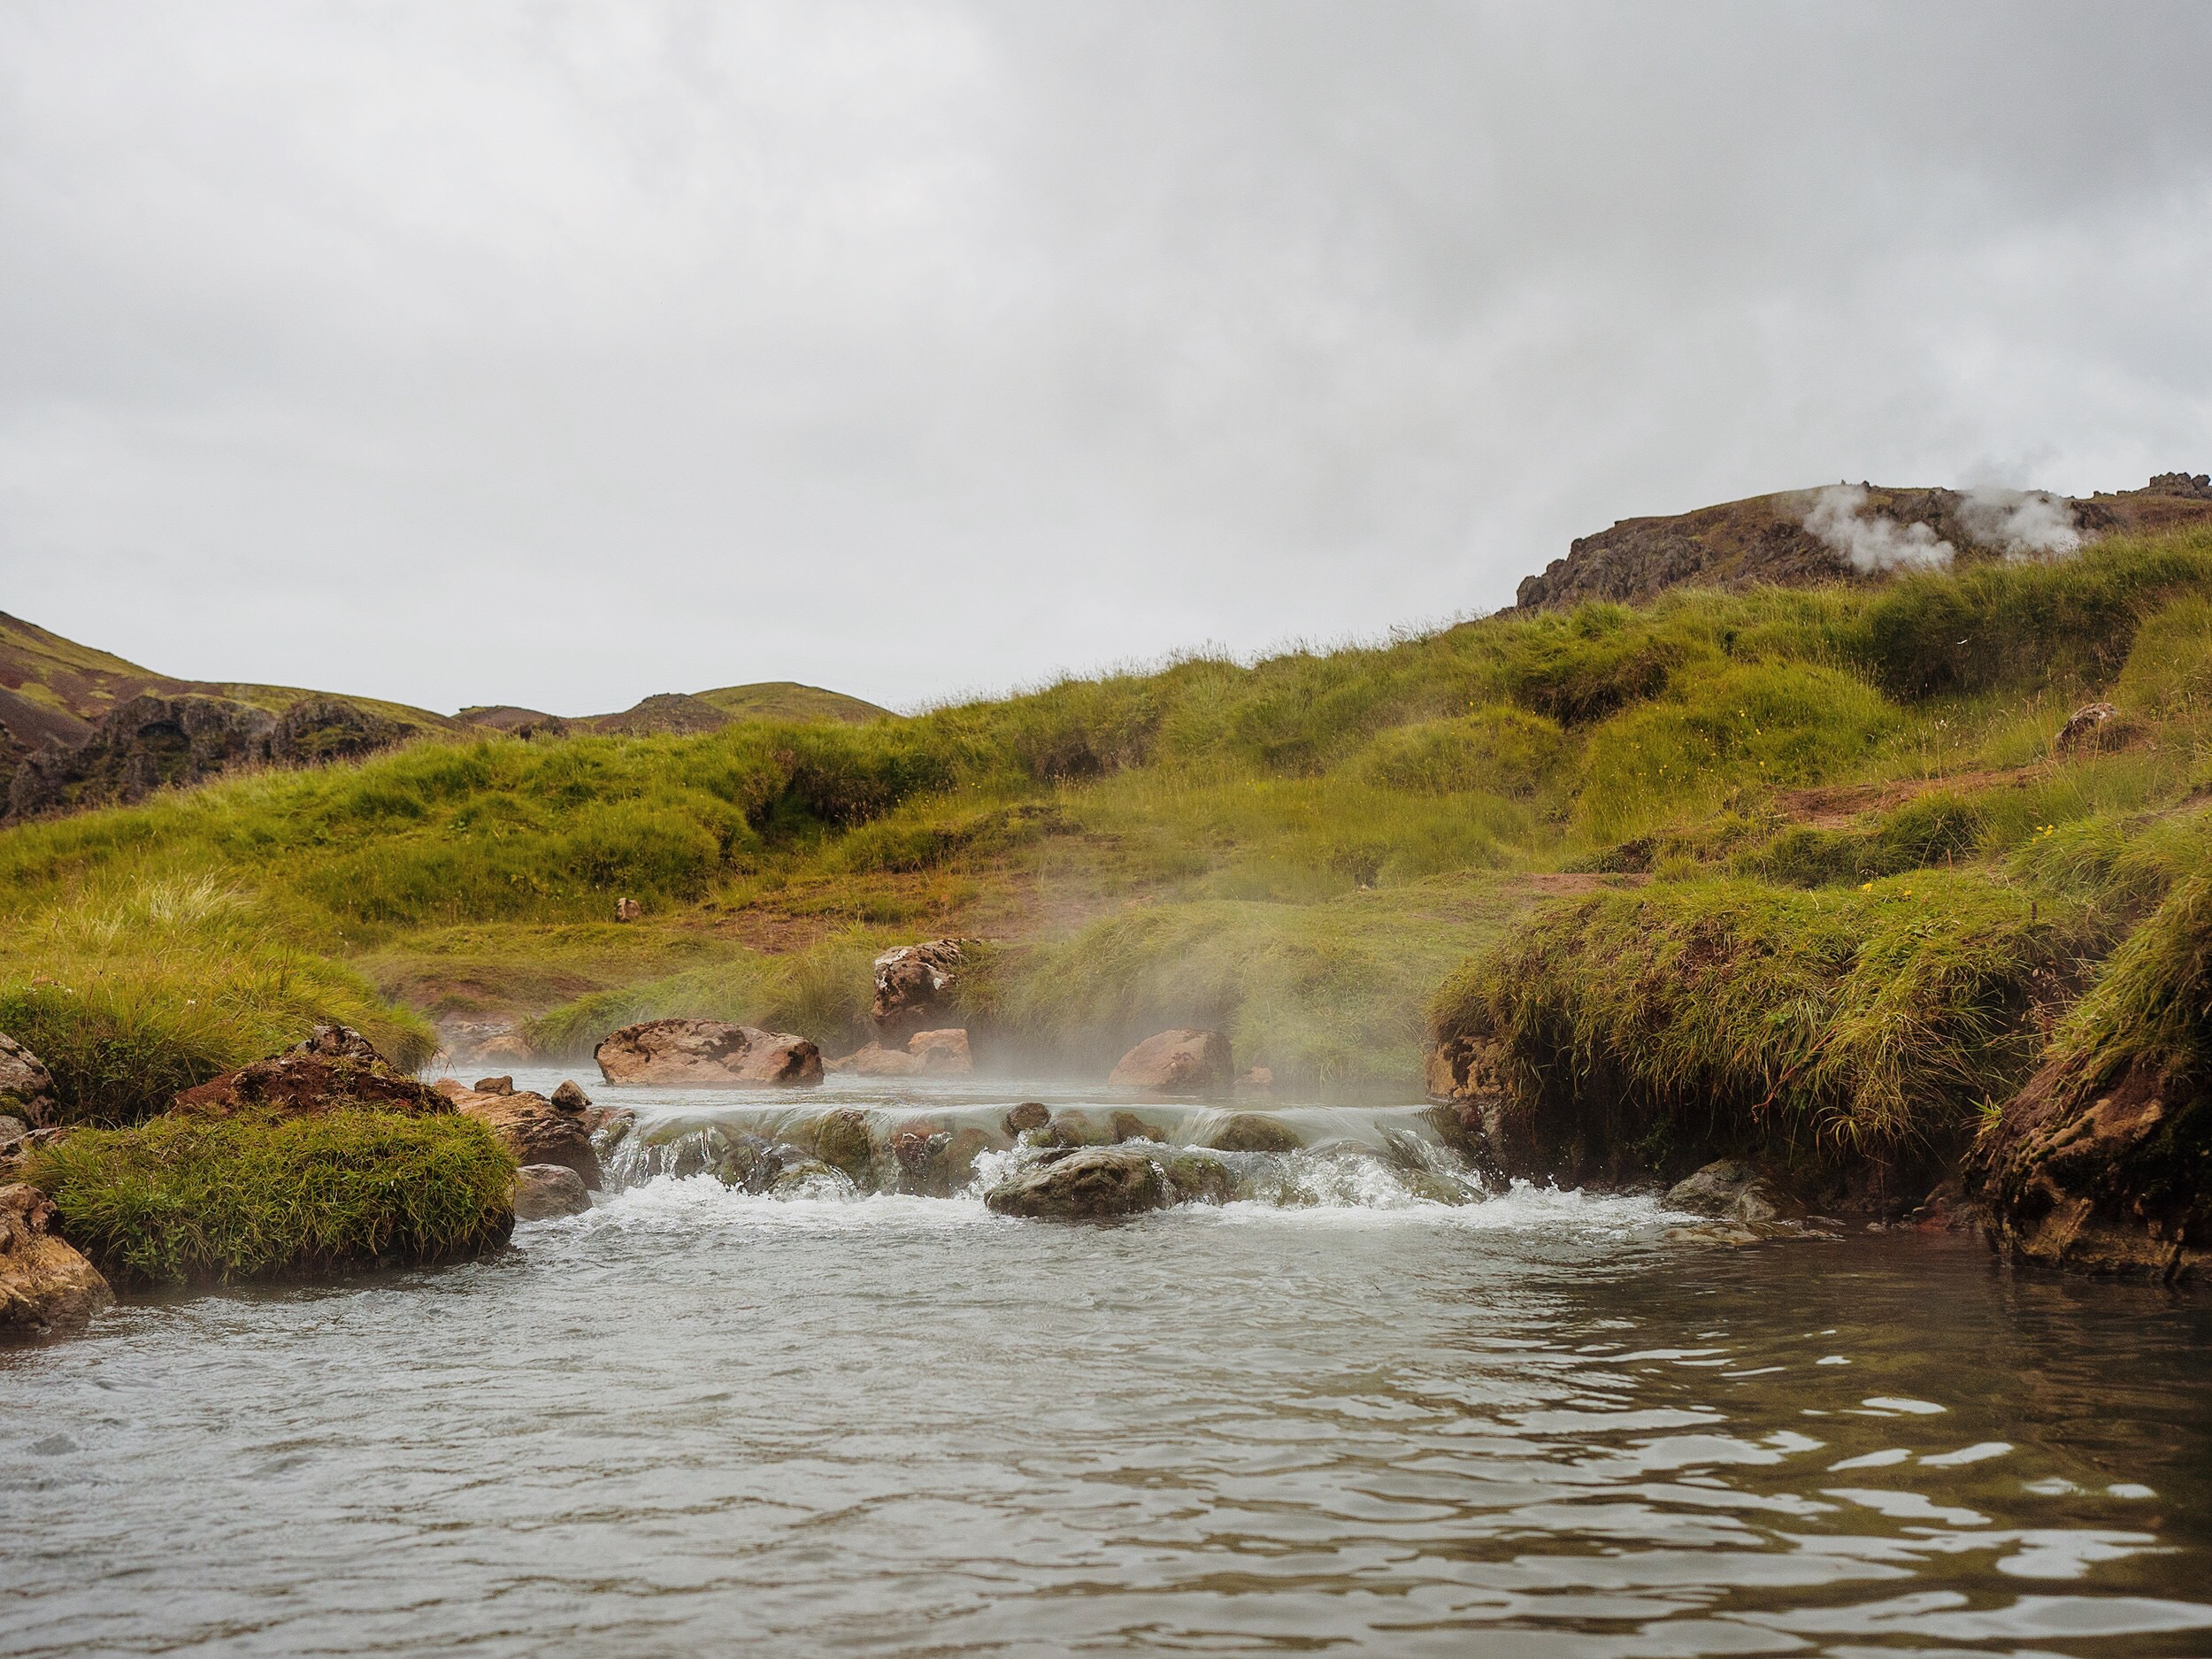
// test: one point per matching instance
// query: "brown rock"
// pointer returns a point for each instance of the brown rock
(570, 1098)
(506, 1045)
(46, 1284)
(535, 1130)
(336, 1068)
(941, 1053)
(875, 1060)
(1255, 1132)
(1030, 1114)
(544, 1192)
(494, 1086)
(706, 1053)
(628, 909)
(26, 1088)
(1178, 1062)
(1094, 1184)
(2092, 727)
(915, 982)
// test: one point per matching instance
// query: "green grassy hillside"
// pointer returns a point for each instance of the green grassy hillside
(1300, 850)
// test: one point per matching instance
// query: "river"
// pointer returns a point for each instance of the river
(1345, 1417)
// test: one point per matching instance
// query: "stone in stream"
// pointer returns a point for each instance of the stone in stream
(1198, 1179)
(545, 1191)
(569, 1098)
(711, 1052)
(1093, 1184)
(1731, 1190)
(1179, 1062)
(46, 1284)
(875, 1060)
(1129, 1126)
(842, 1142)
(1255, 1132)
(1030, 1114)
(26, 1088)
(533, 1129)
(494, 1086)
(941, 1053)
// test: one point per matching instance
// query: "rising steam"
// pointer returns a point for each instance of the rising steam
(2024, 523)
(1871, 542)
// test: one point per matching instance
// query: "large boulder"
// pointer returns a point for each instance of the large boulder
(1093, 1184)
(707, 1053)
(335, 1069)
(915, 983)
(1178, 1062)
(46, 1284)
(26, 1088)
(545, 1191)
(530, 1127)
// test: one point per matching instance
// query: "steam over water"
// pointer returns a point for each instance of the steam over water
(1340, 1415)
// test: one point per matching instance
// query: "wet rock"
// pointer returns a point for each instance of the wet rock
(26, 1088)
(941, 1053)
(1030, 1114)
(609, 1127)
(336, 1068)
(920, 1153)
(914, 983)
(493, 1086)
(570, 1098)
(750, 1162)
(1178, 1062)
(534, 1131)
(1732, 1191)
(544, 1191)
(842, 1142)
(1255, 1132)
(707, 1053)
(1093, 1184)
(809, 1177)
(1129, 1126)
(45, 1286)
(2101, 1176)
(1194, 1179)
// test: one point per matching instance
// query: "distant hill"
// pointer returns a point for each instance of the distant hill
(685, 714)
(1848, 533)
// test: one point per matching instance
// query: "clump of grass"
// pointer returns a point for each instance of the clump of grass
(1761, 725)
(2153, 1003)
(132, 994)
(194, 1200)
(1495, 750)
(2168, 670)
(1865, 1019)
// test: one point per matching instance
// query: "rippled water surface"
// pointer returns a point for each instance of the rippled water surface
(697, 1420)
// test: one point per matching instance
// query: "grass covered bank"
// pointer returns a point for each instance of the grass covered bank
(194, 1200)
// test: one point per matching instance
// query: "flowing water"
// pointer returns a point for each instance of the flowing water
(1337, 1414)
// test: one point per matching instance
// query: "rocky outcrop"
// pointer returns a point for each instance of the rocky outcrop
(532, 1128)
(45, 1286)
(2111, 1178)
(1179, 1062)
(335, 1069)
(154, 743)
(26, 1087)
(707, 1053)
(545, 1191)
(1093, 1184)
(916, 984)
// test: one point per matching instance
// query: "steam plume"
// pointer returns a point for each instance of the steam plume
(1837, 517)
(2025, 523)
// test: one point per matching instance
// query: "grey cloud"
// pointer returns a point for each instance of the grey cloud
(563, 353)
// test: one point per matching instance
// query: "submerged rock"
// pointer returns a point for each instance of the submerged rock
(46, 1284)
(1732, 1191)
(1090, 1185)
(544, 1191)
(711, 1052)
(1194, 1179)
(1256, 1132)
(26, 1087)
(842, 1142)
(1030, 1114)
(1129, 1126)
(335, 1069)
(1179, 1062)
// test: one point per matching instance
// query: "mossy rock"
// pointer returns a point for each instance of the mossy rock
(1197, 1180)
(842, 1142)
(1256, 1132)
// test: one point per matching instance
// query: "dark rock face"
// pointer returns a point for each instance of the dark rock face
(707, 1053)
(336, 1068)
(1179, 1062)
(916, 983)
(26, 1088)
(46, 1284)
(544, 1192)
(570, 1098)
(154, 743)
(2116, 1179)
(1094, 1184)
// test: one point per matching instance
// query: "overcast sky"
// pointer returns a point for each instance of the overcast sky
(559, 354)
